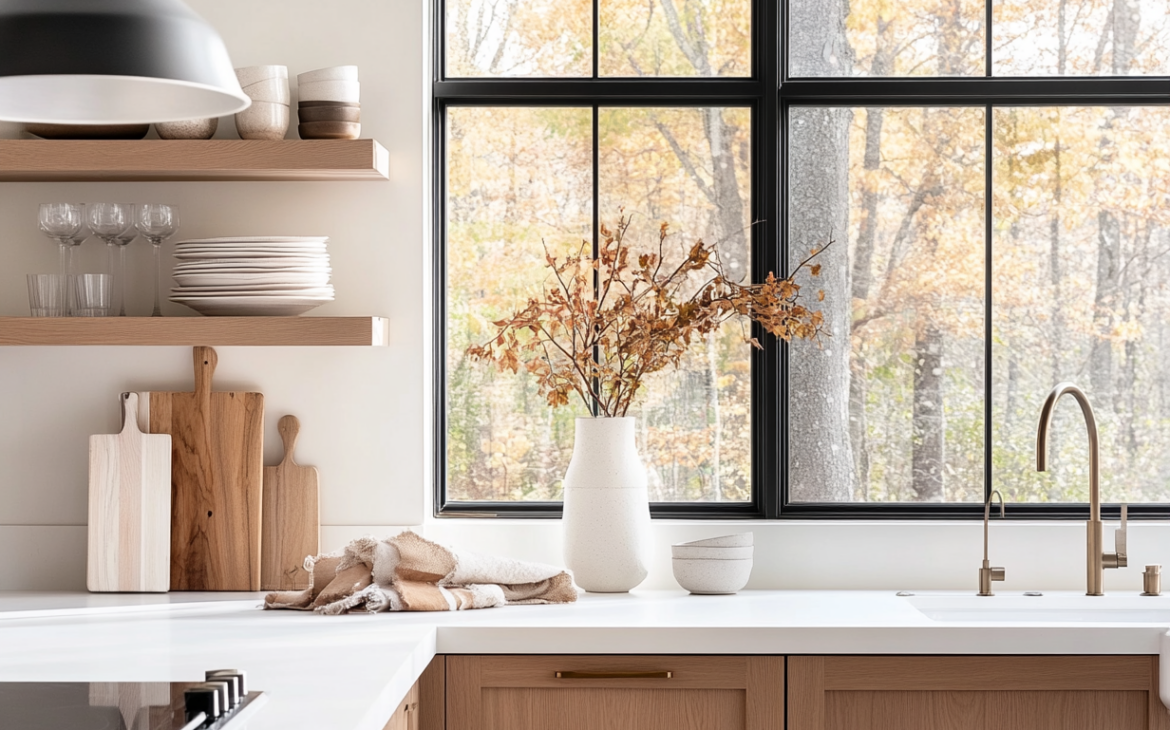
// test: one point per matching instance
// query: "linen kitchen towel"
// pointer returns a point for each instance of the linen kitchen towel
(409, 573)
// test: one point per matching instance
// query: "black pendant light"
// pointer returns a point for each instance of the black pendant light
(112, 62)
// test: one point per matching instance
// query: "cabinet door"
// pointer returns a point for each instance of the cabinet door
(406, 716)
(615, 693)
(975, 693)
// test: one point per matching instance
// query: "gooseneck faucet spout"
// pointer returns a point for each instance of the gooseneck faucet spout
(1096, 559)
(987, 573)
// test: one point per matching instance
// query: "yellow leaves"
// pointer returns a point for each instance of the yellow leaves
(601, 343)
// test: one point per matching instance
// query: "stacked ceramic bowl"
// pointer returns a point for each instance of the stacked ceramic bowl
(267, 117)
(715, 565)
(329, 104)
(246, 276)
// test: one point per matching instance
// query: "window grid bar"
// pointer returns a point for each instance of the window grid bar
(988, 382)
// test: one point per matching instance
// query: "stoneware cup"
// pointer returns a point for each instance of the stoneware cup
(346, 91)
(329, 130)
(189, 129)
(333, 73)
(263, 120)
(329, 114)
(269, 90)
(249, 75)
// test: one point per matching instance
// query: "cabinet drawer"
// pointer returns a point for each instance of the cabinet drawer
(614, 692)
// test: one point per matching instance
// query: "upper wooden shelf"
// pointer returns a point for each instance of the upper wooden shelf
(225, 331)
(34, 160)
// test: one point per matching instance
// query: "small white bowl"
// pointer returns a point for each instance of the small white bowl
(712, 577)
(248, 75)
(263, 120)
(348, 92)
(189, 129)
(274, 90)
(742, 539)
(333, 73)
(711, 553)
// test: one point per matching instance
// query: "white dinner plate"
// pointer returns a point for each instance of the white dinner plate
(282, 278)
(258, 239)
(222, 252)
(269, 290)
(254, 263)
(250, 306)
(243, 255)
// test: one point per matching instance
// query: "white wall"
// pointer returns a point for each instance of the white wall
(365, 411)
(360, 408)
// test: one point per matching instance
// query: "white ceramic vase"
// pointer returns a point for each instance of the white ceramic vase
(607, 511)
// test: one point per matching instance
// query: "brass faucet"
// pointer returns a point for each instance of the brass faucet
(1097, 560)
(987, 573)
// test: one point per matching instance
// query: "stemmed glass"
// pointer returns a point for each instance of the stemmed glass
(62, 222)
(157, 222)
(109, 221)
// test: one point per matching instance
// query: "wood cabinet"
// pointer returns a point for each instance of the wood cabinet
(975, 693)
(614, 692)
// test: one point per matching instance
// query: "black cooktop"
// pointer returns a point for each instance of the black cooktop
(221, 705)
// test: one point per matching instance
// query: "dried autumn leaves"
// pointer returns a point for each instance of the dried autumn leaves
(604, 324)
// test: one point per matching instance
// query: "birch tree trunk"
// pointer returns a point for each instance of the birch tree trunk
(821, 466)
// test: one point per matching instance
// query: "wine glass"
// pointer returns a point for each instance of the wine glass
(62, 222)
(157, 222)
(108, 221)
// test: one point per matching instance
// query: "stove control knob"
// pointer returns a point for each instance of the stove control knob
(202, 698)
(240, 673)
(232, 682)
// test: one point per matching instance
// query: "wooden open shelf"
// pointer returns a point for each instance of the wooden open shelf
(224, 331)
(34, 160)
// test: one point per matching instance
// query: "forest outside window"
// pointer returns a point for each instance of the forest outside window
(1010, 235)
(994, 175)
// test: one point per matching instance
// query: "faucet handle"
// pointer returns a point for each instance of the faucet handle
(1120, 559)
(1120, 539)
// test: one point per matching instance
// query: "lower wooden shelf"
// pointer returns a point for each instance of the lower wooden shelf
(225, 331)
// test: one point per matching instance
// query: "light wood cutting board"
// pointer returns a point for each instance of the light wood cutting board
(129, 508)
(217, 471)
(291, 517)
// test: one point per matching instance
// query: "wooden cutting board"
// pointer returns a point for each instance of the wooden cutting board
(217, 471)
(291, 517)
(129, 508)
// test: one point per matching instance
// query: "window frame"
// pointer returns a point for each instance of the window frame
(756, 92)
(770, 93)
(988, 92)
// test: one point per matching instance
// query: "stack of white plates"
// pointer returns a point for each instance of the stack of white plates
(246, 276)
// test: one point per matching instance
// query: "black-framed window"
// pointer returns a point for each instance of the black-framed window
(951, 318)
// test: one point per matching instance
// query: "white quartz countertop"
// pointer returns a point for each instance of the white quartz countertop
(350, 672)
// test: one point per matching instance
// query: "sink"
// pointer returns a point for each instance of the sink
(1060, 608)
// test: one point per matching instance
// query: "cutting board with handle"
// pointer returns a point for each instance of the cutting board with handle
(129, 508)
(217, 472)
(291, 517)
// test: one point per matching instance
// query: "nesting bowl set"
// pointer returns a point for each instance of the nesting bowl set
(329, 103)
(715, 565)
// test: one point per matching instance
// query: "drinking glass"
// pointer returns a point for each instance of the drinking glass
(157, 222)
(109, 221)
(62, 222)
(47, 295)
(91, 295)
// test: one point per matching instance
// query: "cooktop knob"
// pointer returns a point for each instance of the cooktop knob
(240, 673)
(202, 698)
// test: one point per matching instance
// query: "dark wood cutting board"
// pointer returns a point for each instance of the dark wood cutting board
(217, 473)
(291, 524)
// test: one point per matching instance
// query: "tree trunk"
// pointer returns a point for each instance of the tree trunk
(820, 462)
(1101, 354)
(715, 417)
(729, 227)
(927, 451)
(1054, 270)
(862, 273)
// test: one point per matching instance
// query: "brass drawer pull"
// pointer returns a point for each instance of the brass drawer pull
(614, 675)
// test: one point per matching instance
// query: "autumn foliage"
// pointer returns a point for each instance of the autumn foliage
(603, 324)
